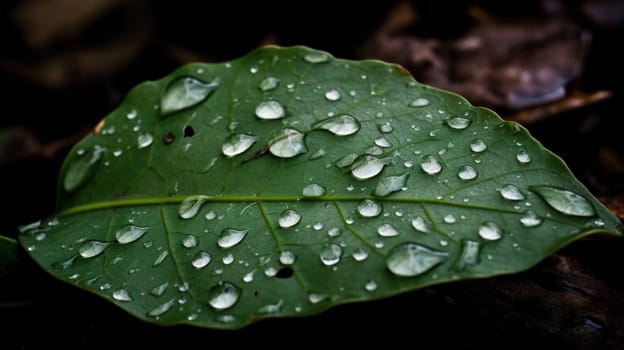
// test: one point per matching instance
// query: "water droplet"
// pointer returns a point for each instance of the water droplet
(430, 165)
(287, 143)
(370, 286)
(386, 230)
(236, 144)
(511, 192)
(201, 260)
(330, 254)
(369, 208)
(132, 114)
(117, 152)
(92, 248)
(316, 57)
(121, 295)
(269, 84)
(411, 259)
(228, 259)
(332, 95)
(419, 224)
(374, 150)
(159, 290)
(382, 142)
(211, 215)
(347, 160)
(249, 276)
(160, 258)
(359, 254)
(190, 206)
(342, 125)
(467, 172)
(313, 190)
(565, 201)
(130, 233)
(334, 232)
(185, 92)
(223, 295)
(81, 168)
(450, 219)
(523, 157)
(270, 110)
(478, 146)
(367, 167)
(230, 237)
(458, 123)
(161, 309)
(318, 154)
(490, 231)
(390, 184)
(386, 128)
(190, 241)
(287, 257)
(289, 218)
(318, 226)
(316, 298)
(144, 140)
(419, 102)
(530, 219)
(469, 255)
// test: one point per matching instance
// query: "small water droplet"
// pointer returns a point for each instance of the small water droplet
(236, 144)
(185, 92)
(201, 260)
(249, 276)
(370, 286)
(313, 190)
(359, 254)
(190, 241)
(132, 114)
(419, 224)
(287, 257)
(161, 309)
(270, 271)
(334, 232)
(565, 201)
(330, 254)
(289, 218)
(270, 110)
(458, 123)
(469, 255)
(530, 219)
(318, 154)
(523, 157)
(430, 165)
(367, 167)
(467, 172)
(317, 226)
(190, 206)
(419, 102)
(223, 295)
(144, 140)
(411, 259)
(211, 215)
(386, 230)
(92, 248)
(287, 143)
(316, 57)
(159, 290)
(130, 233)
(269, 84)
(342, 125)
(228, 259)
(316, 298)
(374, 150)
(382, 142)
(332, 95)
(347, 160)
(390, 184)
(386, 128)
(122, 295)
(369, 208)
(478, 146)
(81, 168)
(160, 258)
(253, 69)
(450, 219)
(490, 231)
(511, 192)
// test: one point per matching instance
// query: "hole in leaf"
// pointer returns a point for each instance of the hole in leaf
(284, 272)
(189, 131)
(168, 138)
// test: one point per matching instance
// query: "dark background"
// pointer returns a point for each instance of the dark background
(554, 66)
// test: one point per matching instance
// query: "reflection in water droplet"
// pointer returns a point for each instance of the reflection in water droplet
(411, 259)
(201, 260)
(270, 110)
(230, 237)
(565, 201)
(190, 241)
(316, 57)
(382, 142)
(359, 254)
(269, 84)
(144, 140)
(530, 219)
(419, 102)
(81, 168)
(330, 254)
(223, 295)
(342, 125)
(458, 123)
(313, 190)
(523, 157)
(332, 95)
(511, 192)
(92, 248)
(370, 286)
(369, 208)
(490, 231)
(287, 257)
(469, 255)
(367, 167)
(121, 295)
(130, 233)
(159, 290)
(478, 146)
(289, 218)
(161, 309)
(287, 143)
(190, 206)
(185, 92)
(347, 160)
(419, 224)
(390, 184)
(430, 165)
(236, 144)
(467, 172)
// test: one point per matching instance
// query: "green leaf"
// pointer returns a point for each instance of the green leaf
(288, 181)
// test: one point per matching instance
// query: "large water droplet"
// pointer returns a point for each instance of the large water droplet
(419, 102)
(236, 144)
(478, 146)
(92, 248)
(130, 233)
(367, 167)
(359, 254)
(287, 143)
(330, 254)
(469, 255)
(386, 230)
(419, 224)
(121, 295)
(224, 295)
(185, 92)
(270, 110)
(565, 201)
(411, 259)
(269, 84)
(313, 190)
(530, 219)
(490, 231)
(289, 218)
(190, 241)
(80, 169)
(390, 184)
(430, 165)
(332, 95)
(458, 123)
(511, 192)
(161, 309)
(231, 237)
(316, 57)
(201, 260)
(369, 208)
(190, 206)
(287, 257)
(467, 172)
(523, 157)
(342, 125)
